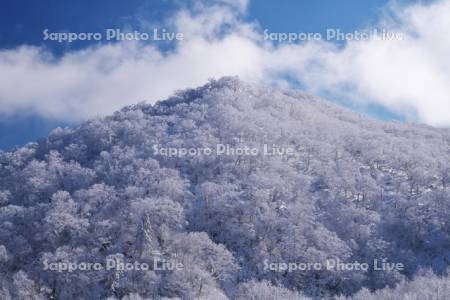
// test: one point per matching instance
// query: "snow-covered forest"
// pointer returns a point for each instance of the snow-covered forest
(353, 190)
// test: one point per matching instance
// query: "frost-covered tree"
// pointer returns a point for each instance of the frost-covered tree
(354, 189)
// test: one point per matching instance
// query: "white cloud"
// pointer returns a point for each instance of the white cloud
(411, 76)
(408, 75)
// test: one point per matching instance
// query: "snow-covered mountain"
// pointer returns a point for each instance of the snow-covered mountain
(228, 191)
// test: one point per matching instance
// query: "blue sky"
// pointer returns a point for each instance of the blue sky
(22, 22)
(31, 109)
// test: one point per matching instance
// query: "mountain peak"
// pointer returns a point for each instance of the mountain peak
(234, 181)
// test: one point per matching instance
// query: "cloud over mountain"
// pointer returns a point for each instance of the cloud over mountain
(410, 76)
